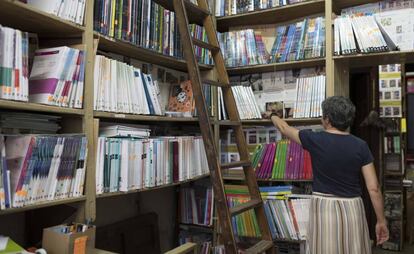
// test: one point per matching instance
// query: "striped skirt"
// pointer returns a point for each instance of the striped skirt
(337, 226)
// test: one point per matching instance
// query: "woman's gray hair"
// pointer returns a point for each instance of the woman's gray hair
(340, 111)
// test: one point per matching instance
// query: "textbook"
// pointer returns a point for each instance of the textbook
(72, 10)
(197, 205)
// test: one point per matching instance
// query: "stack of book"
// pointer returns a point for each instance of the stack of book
(310, 93)
(40, 168)
(282, 160)
(242, 48)
(197, 205)
(360, 35)
(127, 164)
(245, 224)
(392, 144)
(14, 64)
(301, 40)
(57, 77)
(72, 10)
(287, 215)
(232, 7)
(122, 88)
(26, 123)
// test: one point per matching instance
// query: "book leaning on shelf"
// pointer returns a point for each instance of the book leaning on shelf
(133, 163)
(72, 10)
(122, 88)
(57, 76)
(41, 168)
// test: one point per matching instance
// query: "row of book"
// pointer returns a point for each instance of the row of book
(245, 102)
(196, 205)
(122, 88)
(282, 160)
(41, 168)
(57, 77)
(301, 40)
(392, 144)
(243, 47)
(233, 7)
(287, 215)
(203, 55)
(310, 93)
(126, 164)
(72, 10)
(360, 35)
(203, 240)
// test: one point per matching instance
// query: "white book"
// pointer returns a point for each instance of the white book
(123, 179)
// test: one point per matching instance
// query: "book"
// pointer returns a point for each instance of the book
(182, 99)
(310, 93)
(42, 168)
(72, 10)
(134, 131)
(126, 164)
(122, 88)
(196, 205)
(57, 77)
(14, 64)
(27, 123)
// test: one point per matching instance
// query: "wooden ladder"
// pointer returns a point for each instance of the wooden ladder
(224, 212)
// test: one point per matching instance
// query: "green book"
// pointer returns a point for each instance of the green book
(11, 247)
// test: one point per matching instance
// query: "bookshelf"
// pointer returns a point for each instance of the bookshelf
(47, 26)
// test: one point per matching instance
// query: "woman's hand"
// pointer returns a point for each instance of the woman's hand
(381, 231)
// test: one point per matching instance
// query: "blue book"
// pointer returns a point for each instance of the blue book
(146, 89)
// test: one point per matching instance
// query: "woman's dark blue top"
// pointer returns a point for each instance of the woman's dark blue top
(336, 161)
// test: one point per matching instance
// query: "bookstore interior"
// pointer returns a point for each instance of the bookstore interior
(191, 160)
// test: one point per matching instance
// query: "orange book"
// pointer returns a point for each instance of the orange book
(181, 98)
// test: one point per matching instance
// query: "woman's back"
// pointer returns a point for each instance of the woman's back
(337, 160)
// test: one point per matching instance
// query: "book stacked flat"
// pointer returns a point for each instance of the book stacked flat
(282, 160)
(57, 77)
(26, 123)
(40, 168)
(242, 47)
(197, 205)
(122, 88)
(127, 164)
(14, 64)
(72, 10)
(310, 93)
(360, 35)
(233, 7)
(298, 41)
(287, 216)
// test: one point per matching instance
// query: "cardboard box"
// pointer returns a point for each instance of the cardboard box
(56, 242)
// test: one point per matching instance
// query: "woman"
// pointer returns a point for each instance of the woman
(337, 223)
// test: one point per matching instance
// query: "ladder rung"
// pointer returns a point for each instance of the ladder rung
(235, 164)
(245, 206)
(205, 45)
(230, 123)
(214, 83)
(260, 247)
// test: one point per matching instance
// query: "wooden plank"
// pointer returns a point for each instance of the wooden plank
(329, 49)
(236, 164)
(183, 249)
(291, 121)
(21, 16)
(205, 45)
(260, 247)
(35, 107)
(253, 203)
(42, 205)
(144, 118)
(214, 83)
(205, 124)
(195, 14)
(260, 68)
(143, 54)
(375, 59)
(272, 15)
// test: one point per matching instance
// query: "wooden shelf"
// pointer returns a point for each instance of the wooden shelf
(42, 205)
(35, 107)
(195, 14)
(21, 16)
(338, 5)
(271, 16)
(239, 178)
(260, 68)
(375, 59)
(143, 54)
(114, 194)
(288, 241)
(144, 118)
(292, 121)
